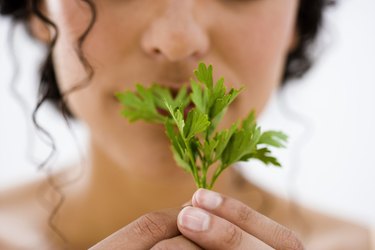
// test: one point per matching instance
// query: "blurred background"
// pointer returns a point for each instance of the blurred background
(329, 115)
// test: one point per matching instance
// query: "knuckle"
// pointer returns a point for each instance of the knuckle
(244, 213)
(163, 245)
(288, 239)
(151, 224)
(179, 242)
(232, 237)
(296, 244)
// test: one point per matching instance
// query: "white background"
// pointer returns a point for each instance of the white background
(329, 115)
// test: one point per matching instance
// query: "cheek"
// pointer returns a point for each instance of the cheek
(260, 62)
(112, 38)
(259, 43)
(255, 49)
(71, 26)
(69, 68)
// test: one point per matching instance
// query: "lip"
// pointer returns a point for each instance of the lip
(174, 87)
(172, 84)
(175, 90)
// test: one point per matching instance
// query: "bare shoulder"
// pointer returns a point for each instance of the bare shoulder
(324, 231)
(316, 229)
(24, 214)
(21, 214)
(35, 190)
(319, 230)
(20, 194)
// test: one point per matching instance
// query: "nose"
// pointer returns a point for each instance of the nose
(175, 35)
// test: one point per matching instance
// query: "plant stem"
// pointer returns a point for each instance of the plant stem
(204, 174)
(216, 175)
(192, 160)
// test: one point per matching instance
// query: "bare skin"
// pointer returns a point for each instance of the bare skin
(86, 220)
(130, 172)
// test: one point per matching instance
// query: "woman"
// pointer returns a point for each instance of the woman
(101, 47)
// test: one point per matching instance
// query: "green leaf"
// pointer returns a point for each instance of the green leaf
(220, 100)
(209, 148)
(163, 95)
(177, 117)
(196, 123)
(139, 106)
(173, 137)
(264, 155)
(249, 122)
(195, 144)
(182, 99)
(242, 142)
(273, 138)
(178, 146)
(204, 75)
(223, 138)
(198, 97)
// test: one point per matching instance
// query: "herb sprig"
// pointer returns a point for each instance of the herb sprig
(196, 143)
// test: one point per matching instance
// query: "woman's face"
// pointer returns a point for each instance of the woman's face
(162, 41)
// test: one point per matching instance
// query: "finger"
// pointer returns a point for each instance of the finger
(178, 242)
(188, 203)
(247, 219)
(144, 232)
(212, 232)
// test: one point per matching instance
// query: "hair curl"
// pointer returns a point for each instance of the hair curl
(298, 62)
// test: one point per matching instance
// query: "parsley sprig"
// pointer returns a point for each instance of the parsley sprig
(196, 143)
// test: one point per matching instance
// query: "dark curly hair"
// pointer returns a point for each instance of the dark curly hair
(298, 62)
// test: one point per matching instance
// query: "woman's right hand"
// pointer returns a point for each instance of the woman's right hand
(147, 231)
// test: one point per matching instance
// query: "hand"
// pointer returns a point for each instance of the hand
(215, 221)
(156, 228)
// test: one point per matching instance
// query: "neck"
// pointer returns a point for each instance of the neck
(173, 187)
(113, 197)
(110, 179)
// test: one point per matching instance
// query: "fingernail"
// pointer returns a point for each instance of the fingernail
(208, 199)
(194, 219)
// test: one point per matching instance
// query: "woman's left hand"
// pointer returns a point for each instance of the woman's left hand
(215, 221)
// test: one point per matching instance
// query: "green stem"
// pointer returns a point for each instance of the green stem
(204, 174)
(193, 165)
(196, 176)
(216, 175)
